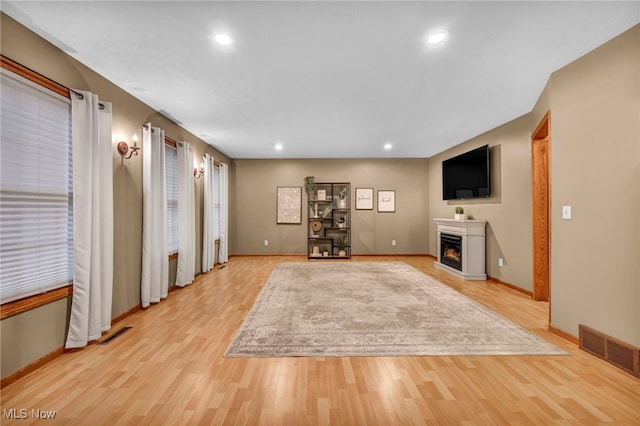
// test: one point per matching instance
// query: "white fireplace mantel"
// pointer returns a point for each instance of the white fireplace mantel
(473, 247)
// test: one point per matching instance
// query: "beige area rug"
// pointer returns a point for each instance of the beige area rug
(373, 309)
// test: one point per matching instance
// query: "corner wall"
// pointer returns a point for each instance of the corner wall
(507, 211)
(595, 168)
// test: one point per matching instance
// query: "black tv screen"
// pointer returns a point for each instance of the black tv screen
(466, 175)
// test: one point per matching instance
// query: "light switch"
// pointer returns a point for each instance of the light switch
(566, 212)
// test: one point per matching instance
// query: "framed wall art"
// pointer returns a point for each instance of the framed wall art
(386, 201)
(364, 198)
(289, 208)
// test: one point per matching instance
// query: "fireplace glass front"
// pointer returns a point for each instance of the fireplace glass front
(451, 250)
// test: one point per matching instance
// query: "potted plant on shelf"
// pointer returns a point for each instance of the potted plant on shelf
(310, 186)
(342, 245)
(460, 214)
(325, 251)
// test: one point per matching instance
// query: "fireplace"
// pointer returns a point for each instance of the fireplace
(461, 248)
(451, 250)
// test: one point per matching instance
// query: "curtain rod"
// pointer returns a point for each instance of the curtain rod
(17, 68)
(81, 97)
(146, 127)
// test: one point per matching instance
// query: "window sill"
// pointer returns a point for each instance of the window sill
(18, 306)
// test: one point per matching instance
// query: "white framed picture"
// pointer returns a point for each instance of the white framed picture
(386, 201)
(364, 198)
(321, 195)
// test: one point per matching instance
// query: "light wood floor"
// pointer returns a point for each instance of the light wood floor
(169, 369)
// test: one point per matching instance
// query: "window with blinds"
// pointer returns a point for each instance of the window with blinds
(171, 165)
(36, 212)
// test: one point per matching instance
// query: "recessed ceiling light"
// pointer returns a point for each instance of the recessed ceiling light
(223, 39)
(279, 146)
(437, 37)
(388, 146)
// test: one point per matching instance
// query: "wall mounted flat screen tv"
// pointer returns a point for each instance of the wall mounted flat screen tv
(467, 175)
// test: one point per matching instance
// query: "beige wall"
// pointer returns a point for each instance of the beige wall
(255, 204)
(595, 168)
(46, 326)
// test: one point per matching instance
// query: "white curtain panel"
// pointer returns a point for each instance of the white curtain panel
(92, 219)
(223, 251)
(208, 239)
(186, 216)
(155, 245)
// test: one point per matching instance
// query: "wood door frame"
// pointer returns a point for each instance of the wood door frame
(542, 290)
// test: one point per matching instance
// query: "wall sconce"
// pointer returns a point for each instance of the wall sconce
(123, 148)
(197, 173)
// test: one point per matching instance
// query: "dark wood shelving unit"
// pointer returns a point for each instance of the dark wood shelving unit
(329, 217)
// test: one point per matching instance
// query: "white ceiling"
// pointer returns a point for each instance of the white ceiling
(329, 79)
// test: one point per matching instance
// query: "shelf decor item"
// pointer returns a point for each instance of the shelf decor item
(342, 245)
(460, 214)
(342, 195)
(309, 186)
(316, 226)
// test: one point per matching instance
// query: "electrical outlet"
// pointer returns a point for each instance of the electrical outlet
(393, 242)
(500, 261)
(266, 242)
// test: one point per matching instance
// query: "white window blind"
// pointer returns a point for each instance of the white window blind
(36, 212)
(216, 204)
(171, 165)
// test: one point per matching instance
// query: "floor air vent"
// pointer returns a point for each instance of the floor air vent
(620, 354)
(114, 335)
